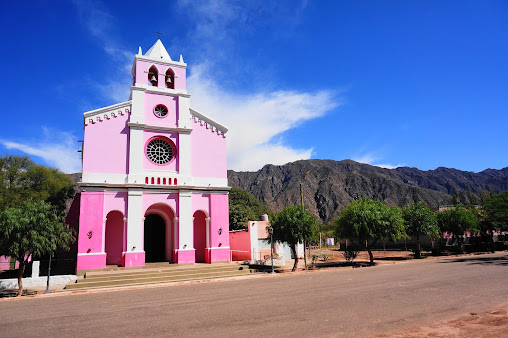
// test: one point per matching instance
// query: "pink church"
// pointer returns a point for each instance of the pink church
(154, 184)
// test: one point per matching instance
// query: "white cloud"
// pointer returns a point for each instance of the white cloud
(256, 119)
(57, 149)
(372, 158)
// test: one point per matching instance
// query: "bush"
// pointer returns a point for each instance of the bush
(325, 257)
(314, 258)
(350, 254)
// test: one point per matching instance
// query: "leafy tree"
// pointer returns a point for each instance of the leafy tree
(420, 220)
(293, 225)
(368, 221)
(457, 221)
(244, 207)
(22, 179)
(33, 229)
(495, 210)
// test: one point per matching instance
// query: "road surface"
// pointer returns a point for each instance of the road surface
(352, 302)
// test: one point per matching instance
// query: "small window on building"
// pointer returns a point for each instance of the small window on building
(160, 110)
(153, 76)
(170, 79)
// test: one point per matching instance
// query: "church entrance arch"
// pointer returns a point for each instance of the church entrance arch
(114, 240)
(158, 233)
(200, 235)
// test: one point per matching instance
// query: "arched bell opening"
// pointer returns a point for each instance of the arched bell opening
(170, 78)
(200, 224)
(114, 238)
(153, 76)
(159, 233)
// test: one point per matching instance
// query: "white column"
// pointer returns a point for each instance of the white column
(185, 226)
(184, 140)
(124, 242)
(136, 145)
(207, 232)
(184, 111)
(136, 153)
(104, 234)
(135, 216)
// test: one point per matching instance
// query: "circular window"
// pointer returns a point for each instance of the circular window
(159, 151)
(160, 110)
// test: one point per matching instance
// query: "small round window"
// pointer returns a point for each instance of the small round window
(160, 110)
(159, 151)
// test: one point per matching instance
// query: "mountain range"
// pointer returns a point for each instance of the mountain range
(328, 186)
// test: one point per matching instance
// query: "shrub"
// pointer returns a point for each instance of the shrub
(350, 254)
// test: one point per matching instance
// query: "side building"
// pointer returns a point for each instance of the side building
(154, 183)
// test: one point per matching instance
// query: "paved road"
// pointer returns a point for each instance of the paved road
(353, 302)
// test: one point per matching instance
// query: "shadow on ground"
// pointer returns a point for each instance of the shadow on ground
(478, 260)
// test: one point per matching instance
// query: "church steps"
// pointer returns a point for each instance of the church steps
(142, 279)
(167, 271)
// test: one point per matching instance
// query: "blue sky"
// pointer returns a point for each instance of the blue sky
(391, 83)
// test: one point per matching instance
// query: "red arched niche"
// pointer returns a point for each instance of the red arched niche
(200, 235)
(114, 238)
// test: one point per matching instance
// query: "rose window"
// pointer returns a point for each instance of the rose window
(159, 151)
(160, 111)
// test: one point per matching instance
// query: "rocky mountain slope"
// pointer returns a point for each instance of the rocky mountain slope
(332, 185)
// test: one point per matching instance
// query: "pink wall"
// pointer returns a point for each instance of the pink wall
(170, 102)
(147, 164)
(262, 232)
(201, 202)
(91, 220)
(239, 242)
(208, 152)
(105, 148)
(114, 241)
(142, 75)
(115, 200)
(153, 198)
(219, 219)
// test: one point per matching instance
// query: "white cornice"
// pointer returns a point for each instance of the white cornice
(84, 186)
(161, 91)
(93, 116)
(208, 121)
(134, 125)
(160, 62)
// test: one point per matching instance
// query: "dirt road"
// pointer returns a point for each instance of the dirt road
(355, 302)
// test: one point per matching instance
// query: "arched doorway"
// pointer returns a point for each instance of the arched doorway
(200, 235)
(154, 240)
(159, 233)
(114, 238)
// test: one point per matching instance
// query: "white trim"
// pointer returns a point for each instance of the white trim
(220, 247)
(100, 114)
(159, 90)
(200, 117)
(160, 61)
(143, 126)
(91, 254)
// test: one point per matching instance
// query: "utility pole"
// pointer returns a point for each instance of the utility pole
(304, 242)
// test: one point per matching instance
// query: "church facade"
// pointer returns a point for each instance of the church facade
(154, 181)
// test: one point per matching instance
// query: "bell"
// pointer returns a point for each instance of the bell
(168, 80)
(153, 78)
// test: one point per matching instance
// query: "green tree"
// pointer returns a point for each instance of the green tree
(244, 207)
(293, 225)
(368, 221)
(22, 179)
(495, 210)
(33, 229)
(420, 220)
(457, 221)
